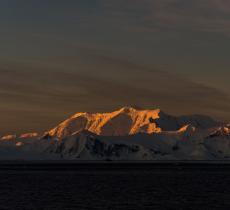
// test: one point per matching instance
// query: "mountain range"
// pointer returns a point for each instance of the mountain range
(125, 134)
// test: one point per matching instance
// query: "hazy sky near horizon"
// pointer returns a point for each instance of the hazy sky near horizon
(60, 57)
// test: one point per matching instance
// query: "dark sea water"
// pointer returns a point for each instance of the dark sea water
(126, 188)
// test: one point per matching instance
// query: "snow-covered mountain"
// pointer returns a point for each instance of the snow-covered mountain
(128, 121)
(126, 134)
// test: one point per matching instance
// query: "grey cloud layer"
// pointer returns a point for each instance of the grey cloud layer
(206, 15)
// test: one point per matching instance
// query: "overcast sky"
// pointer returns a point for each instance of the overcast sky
(59, 57)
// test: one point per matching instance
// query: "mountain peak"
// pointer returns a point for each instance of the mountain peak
(127, 109)
(9, 137)
(79, 114)
(28, 135)
(128, 121)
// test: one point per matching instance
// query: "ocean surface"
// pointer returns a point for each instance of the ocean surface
(125, 186)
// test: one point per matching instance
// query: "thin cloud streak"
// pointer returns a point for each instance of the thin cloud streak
(196, 15)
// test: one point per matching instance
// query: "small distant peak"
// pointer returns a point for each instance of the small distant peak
(226, 130)
(28, 135)
(19, 144)
(9, 137)
(221, 131)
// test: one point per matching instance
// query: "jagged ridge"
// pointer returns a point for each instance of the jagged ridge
(128, 121)
(126, 134)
